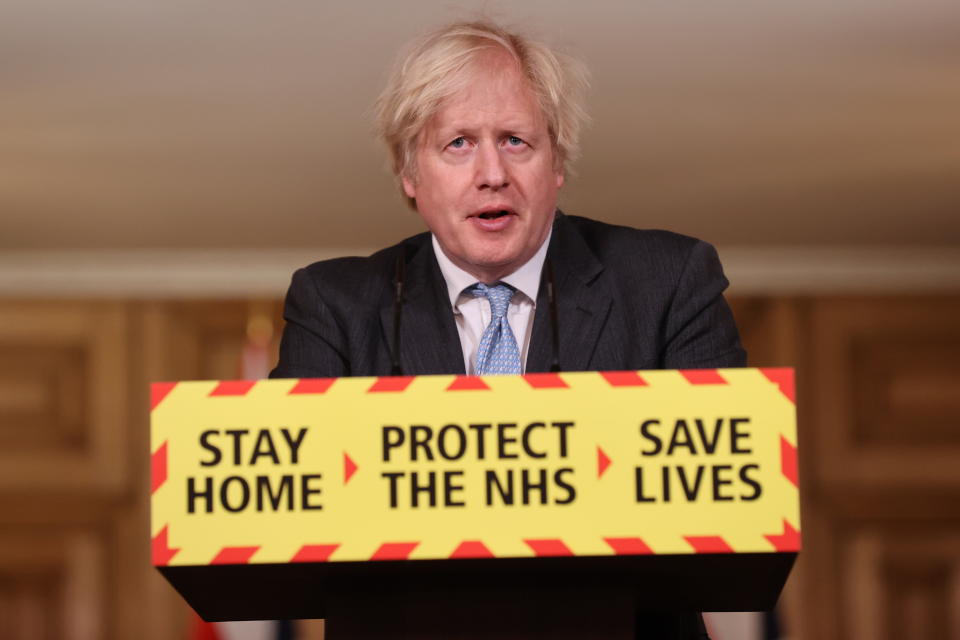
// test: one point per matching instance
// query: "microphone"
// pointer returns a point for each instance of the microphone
(398, 278)
(554, 318)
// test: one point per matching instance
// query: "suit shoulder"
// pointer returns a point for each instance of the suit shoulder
(610, 241)
(359, 279)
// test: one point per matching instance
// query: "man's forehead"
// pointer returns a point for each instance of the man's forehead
(456, 117)
(494, 70)
(490, 92)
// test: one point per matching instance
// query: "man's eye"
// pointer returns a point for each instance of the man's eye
(515, 141)
(457, 143)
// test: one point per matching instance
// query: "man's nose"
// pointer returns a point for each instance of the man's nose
(491, 171)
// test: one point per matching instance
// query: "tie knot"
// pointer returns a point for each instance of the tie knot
(499, 297)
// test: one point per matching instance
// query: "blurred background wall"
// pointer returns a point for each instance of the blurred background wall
(165, 166)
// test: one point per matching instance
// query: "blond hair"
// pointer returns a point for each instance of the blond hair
(435, 68)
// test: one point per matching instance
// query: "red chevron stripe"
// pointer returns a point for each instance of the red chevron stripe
(789, 540)
(394, 551)
(311, 385)
(235, 555)
(788, 461)
(468, 383)
(314, 553)
(158, 467)
(160, 550)
(159, 391)
(390, 383)
(628, 546)
(784, 378)
(545, 381)
(624, 379)
(233, 388)
(471, 549)
(708, 544)
(702, 376)
(547, 547)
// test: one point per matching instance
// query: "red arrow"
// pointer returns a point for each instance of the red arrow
(349, 468)
(602, 462)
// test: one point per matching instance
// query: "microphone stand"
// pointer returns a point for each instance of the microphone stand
(554, 317)
(398, 281)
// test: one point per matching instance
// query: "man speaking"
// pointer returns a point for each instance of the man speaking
(482, 125)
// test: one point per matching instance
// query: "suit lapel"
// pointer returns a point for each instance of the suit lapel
(582, 306)
(429, 342)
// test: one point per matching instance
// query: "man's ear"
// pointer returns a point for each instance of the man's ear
(409, 187)
(560, 177)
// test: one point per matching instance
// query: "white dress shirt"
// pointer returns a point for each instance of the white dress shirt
(472, 313)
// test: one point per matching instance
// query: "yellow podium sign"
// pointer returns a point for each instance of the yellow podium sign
(436, 467)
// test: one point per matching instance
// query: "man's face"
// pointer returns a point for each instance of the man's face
(486, 183)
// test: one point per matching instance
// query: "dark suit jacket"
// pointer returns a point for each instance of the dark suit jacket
(626, 299)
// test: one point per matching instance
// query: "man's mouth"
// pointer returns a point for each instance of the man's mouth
(493, 218)
(493, 215)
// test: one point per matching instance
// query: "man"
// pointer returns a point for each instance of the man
(482, 125)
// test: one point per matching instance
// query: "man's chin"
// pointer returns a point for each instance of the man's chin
(490, 268)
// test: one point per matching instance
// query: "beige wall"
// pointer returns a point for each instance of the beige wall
(244, 124)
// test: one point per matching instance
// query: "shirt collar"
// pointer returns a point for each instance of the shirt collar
(526, 279)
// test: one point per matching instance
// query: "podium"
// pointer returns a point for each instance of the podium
(546, 505)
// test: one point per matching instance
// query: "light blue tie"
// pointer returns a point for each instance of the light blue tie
(498, 353)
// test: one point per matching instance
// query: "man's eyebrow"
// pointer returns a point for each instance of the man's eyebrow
(524, 129)
(451, 132)
(454, 129)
